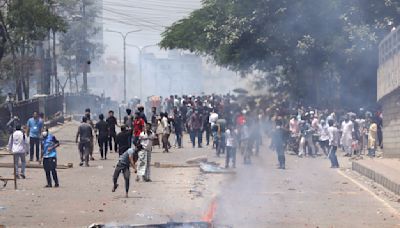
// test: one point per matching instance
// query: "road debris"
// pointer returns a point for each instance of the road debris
(212, 168)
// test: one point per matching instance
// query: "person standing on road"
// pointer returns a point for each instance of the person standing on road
(347, 136)
(18, 144)
(102, 136)
(35, 126)
(125, 160)
(334, 140)
(166, 131)
(178, 127)
(49, 158)
(278, 138)
(124, 140)
(231, 147)
(138, 127)
(85, 135)
(128, 119)
(195, 125)
(112, 123)
(90, 122)
(372, 138)
(146, 142)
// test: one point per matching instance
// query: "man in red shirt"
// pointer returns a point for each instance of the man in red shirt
(138, 127)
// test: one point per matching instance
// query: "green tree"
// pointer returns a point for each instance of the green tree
(25, 24)
(77, 44)
(301, 46)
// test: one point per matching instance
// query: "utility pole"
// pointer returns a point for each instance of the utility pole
(84, 59)
(141, 50)
(124, 36)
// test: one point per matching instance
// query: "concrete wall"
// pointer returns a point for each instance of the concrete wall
(391, 124)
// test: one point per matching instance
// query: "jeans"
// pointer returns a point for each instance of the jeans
(221, 145)
(333, 157)
(103, 147)
(230, 155)
(179, 138)
(84, 150)
(50, 165)
(17, 157)
(165, 142)
(280, 151)
(113, 136)
(371, 152)
(196, 133)
(34, 142)
(127, 174)
(309, 141)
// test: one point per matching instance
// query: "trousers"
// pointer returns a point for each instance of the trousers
(50, 165)
(120, 168)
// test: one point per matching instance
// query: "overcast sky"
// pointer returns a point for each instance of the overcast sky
(151, 16)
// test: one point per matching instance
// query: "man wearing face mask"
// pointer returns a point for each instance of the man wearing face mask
(49, 158)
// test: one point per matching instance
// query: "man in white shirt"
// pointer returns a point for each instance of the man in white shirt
(334, 138)
(18, 144)
(347, 135)
(146, 141)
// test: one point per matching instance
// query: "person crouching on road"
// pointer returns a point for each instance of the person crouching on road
(279, 143)
(49, 157)
(125, 160)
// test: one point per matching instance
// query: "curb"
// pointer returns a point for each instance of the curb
(377, 177)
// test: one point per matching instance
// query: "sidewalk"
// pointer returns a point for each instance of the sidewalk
(385, 172)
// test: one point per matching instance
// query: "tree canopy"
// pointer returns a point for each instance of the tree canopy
(311, 49)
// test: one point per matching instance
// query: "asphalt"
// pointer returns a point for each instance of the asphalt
(307, 194)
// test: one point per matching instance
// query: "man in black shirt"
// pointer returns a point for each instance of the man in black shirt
(124, 140)
(102, 136)
(112, 122)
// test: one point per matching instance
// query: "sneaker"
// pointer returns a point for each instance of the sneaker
(48, 186)
(92, 158)
(115, 187)
(56, 185)
(22, 176)
(81, 164)
(17, 176)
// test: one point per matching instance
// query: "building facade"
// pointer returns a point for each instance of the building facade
(388, 90)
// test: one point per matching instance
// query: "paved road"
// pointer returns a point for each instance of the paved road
(307, 194)
(85, 197)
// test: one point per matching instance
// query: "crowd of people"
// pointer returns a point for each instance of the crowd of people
(228, 124)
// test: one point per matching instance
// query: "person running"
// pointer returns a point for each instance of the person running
(112, 123)
(18, 145)
(102, 136)
(49, 158)
(124, 162)
(85, 135)
(35, 126)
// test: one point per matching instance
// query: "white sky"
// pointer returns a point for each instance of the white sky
(151, 16)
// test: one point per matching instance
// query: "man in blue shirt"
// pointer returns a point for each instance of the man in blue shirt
(49, 157)
(35, 126)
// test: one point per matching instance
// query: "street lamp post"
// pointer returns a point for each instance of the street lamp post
(141, 49)
(124, 36)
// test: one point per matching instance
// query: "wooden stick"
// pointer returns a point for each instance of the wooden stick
(35, 166)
